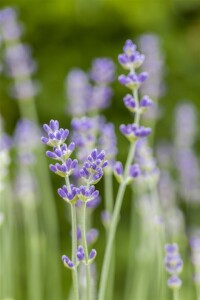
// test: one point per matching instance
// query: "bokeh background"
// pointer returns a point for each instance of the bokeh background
(64, 34)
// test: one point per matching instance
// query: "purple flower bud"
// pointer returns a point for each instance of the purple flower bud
(171, 249)
(129, 48)
(134, 171)
(130, 103)
(106, 218)
(78, 233)
(68, 194)
(92, 236)
(118, 171)
(80, 253)
(174, 282)
(67, 262)
(102, 70)
(145, 102)
(56, 136)
(93, 167)
(92, 254)
(86, 194)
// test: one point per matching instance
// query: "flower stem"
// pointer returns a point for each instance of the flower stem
(175, 294)
(74, 248)
(108, 183)
(85, 248)
(74, 245)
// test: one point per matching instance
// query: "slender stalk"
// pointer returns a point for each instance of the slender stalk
(175, 294)
(109, 202)
(85, 248)
(74, 248)
(74, 245)
(32, 240)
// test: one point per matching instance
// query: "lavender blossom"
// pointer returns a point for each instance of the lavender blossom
(173, 265)
(92, 170)
(86, 194)
(26, 139)
(10, 28)
(107, 142)
(106, 218)
(148, 165)
(130, 59)
(85, 130)
(67, 262)
(64, 169)
(92, 236)
(80, 253)
(133, 132)
(150, 45)
(186, 161)
(118, 171)
(69, 194)
(102, 71)
(18, 61)
(85, 97)
(56, 135)
(133, 81)
(78, 91)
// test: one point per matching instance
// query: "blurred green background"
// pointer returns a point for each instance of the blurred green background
(64, 34)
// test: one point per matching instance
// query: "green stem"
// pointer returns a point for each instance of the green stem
(109, 201)
(32, 239)
(85, 248)
(74, 248)
(175, 294)
(74, 245)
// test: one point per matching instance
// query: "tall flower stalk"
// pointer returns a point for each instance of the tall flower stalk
(130, 59)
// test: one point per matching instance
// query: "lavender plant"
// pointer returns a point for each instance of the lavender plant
(91, 173)
(173, 265)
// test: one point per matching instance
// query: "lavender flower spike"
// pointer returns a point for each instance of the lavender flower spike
(173, 265)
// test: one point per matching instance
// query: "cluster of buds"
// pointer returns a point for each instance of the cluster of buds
(131, 60)
(80, 258)
(118, 170)
(173, 265)
(88, 92)
(91, 172)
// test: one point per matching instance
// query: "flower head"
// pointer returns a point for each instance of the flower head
(102, 71)
(68, 193)
(56, 135)
(92, 170)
